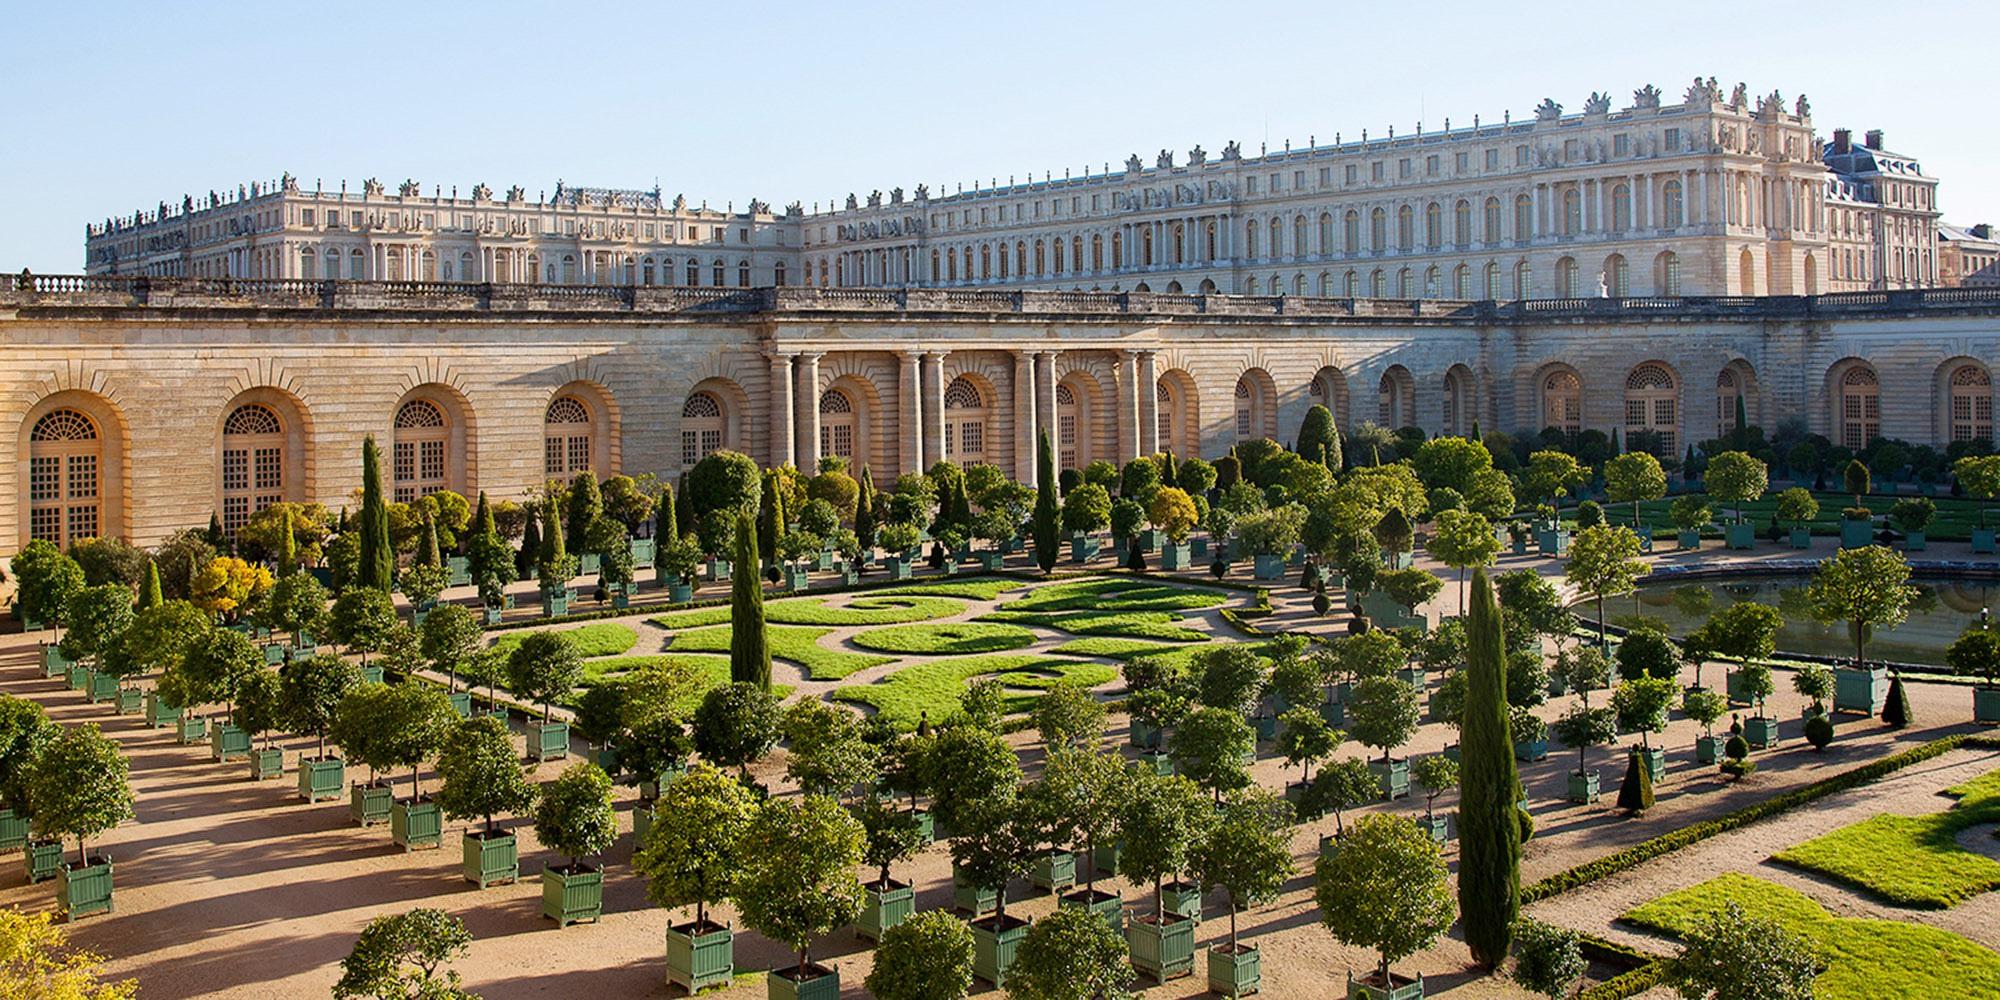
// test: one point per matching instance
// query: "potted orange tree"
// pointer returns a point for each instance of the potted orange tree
(691, 857)
(480, 776)
(798, 883)
(573, 817)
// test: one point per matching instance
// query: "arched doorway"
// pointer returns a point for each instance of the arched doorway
(65, 477)
(1395, 398)
(566, 438)
(419, 454)
(1971, 404)
(1458, 395)
(837, 425)
(1860, 406)
(702, 427)
(254, 457)
(965, 419)
(1562, 400)
(1256, 415)
(1652, 408)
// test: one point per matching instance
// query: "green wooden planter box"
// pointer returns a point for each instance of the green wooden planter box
(1583, 788)
(716, 570)
(680, 593)
(42, 859)
(1158, 761)
(1801, 538)
(1198, 547)
(1985, 541)
(588, 563)
(103, 687)
(371, 675)
(883, 908)
(1082, 548)
(461, 702)
(492, 615)
(1531, 750)
(926, 825)
(417, 825)
(1106, 856)
(795, 578)
(1054, 871)
(644, 550)
(1707, 750)
(1862, 691)
(1914, 541)
(84, 889)
(274, 653)
(1552, 543)
(1108, 905)
(568, 897)
(1145, 736)
(1733, 685)
(158, 713)
(972, 899)
(1235, 973)
(1164, 951)
(191, 729)
(1333, 712)
(490, 858)
(1364, 989)
(649, 788)
(267, 764)
(1265, 726)
(1176, 557)
(77, 677)
(13, 830)
(1740, 536)
(994, 944)
(1760, 732)
(1182, 899)
(369, 804)
(605, 757)
(458, 571)
(1394, 777)
(1656, 762)
(643, 816)
(1268, 566)
(305, 642)
(1689, 540)
(821, 983)
(130, 701)
(1519, 544)
(227, 743)
(54, 663)
(321, 778)
(548, 740)
(1985, 705)
(1857, 534)
(700, 956)
(1435, 827)
(555, 604)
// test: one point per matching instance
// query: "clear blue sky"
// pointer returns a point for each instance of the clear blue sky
(113, 106)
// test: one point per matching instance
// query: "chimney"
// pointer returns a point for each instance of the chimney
(1872, 138)
(1982, 230)
(1843, 141)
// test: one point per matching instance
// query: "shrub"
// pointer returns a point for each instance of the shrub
(573, 816)
(399, 956)
(1548, 960)
(1733, 956)
(1635, 794)
(1819, 731)
(926, 957)
(1071, 954)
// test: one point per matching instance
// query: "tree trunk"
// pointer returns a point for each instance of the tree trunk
(1232, 924)
(82, 857)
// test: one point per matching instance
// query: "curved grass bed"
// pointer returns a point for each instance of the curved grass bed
(934, 687)
(594, 639)
(1867, 959)
(980, 589)
(951, 639)
(1116, 648)
(795, 643)
(703, 673)
(887, 609)
(1162, 626)
(1107, 594)
(1910, 861)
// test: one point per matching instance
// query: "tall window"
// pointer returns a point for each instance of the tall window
(1673, 209)
(566, 438)
(1457, 400)
(1562, 401)
(1617, 276)
(964, 422)
(1351, 238)
(836, 424)
(1524, 219)
(1669, 279)
(1621, 208)
(1728, 389)
(1492, 229)
(64, 460)
(1860, 407)
(1651, 404)
(1405, 229)
(1378, 231)
(1395, 399)
(1066, 447)
(701, 428)
(1163, 417)
(419, 455)
(1491, 289)
(1572, 208)
(1246, 410)
(253, 463)
(1971, 403)
(1461, 224)
(1433, 226)
(1566, 278)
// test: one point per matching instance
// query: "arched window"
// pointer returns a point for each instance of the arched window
(1146, 247)
(569, 269)
(1377, 284)
(1812, 275)
(1431, 282)
(1524, 219)
(1097, 249)
(701, 428)
(1325, 233)
(720, 275)
(1491, 234)
(1746, 273)
(964, 422)
(333, 265)
(1673, 208)
(308, 264)
(422, 438)
(1652, 404)
(1562, 401)
(1461, 280)
(1433, 226)
(1404, 286)
(1524, 280)
(778, 274)
(1457, 399)
(836, 424)
(1667, 273)
(1067, 449)
(1572, 212)
(1277, 240)
(1396, 405)
(65, 473)
(1378, 231)
(566, 438)
(1860, 407)
(1173, 399)
(1254, 418)
(1617, 276)
(1405, 229)
(743, 274)
(1351, 238)
(1117, 254)
(1491, 289)
(1728, 389)
(1249, 241)
(1566, 278)
(1299, 244)
(1250, 286)
(1621, 208)
(1971, 403)
(357, 265)
(1461, 224)
(1350, 285)
(253, 463)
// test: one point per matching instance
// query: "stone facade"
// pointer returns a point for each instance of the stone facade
(142, 405)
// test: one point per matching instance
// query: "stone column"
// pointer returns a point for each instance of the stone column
(933, 408)
(781, 412)
(1045, 397)
(1026, 427)
(1128, 406)
(806, 399)
(910, 414)
(1149, 405)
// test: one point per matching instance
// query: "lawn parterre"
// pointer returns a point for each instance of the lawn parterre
(1910, 860)
(951, 639)
(595, 639)
(1867, 959)
(712, 671)
(1104, 594)
(1158, 625)
(889, 609)
(979, 589)
(1119, 648)
(934, 687)
(796, 643)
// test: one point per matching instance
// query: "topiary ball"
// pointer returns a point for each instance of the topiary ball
(1737, 748)
(1359, 624)
(1218, 569)
(1322, 603)
(1819, 732)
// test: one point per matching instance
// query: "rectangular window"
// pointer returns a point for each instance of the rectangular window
(82, 475)
(306, 217)
(1376, 170)
(83, 522)
(1325, 176)
(1621, 145)
(45, 523)
(430, 460)
(1249, 185)
(1492, 159)
(235, 469)
(1521, 156)
(270, 469)
(1403, 168)
(552, 457)
(1353, 173)
(45, 478)
(1298, 179)
(1462, 163)
(235, 512)
(1431, 165)
(579, 453)
(354, 219)
(1277, 182)
(405, 463)
(1571, 148)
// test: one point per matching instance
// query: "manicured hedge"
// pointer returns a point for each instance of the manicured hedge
(1629, 984)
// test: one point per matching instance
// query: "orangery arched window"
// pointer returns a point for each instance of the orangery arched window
(65, 474)
(253, 463)
(566, 438)
(964, 422)
(422, 441)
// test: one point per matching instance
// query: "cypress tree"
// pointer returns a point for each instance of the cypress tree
(427, 545)
(666, 522)
(683, 511)
(771, 516)
(749, 648)
(1314, 431)
(216, 539)
(378, 557)
(1169, 475)
(1489, 875)
(344, 524)
(1615, 449)
(586, 505)
(1475, 430)
(149, 592)
(288, 549)
(531, 543)
(552, 559)
(1046, 522)
(1331, 457)
(864, 511)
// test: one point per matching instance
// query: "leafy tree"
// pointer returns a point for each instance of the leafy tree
(1304, 738)
(736, 724)
(97, 617)
(1374, 653)
(378, 557)
(983, 703)
(1550, 960)
(1605, 562)
(798, 878)
(1209, 746)
(361, 620)
(109, 560)
(1704, 707)
(1435, 774)
(544, 668)
(1634, 477)
(259, 704)
(46, 579)
(24, 730)
(37, 963)
(723, 481)
(1071, 954)
(1977, 651)
(573, 814)
(1979, 477)
(1343, 784)
(970, 765)
(1246, 852)
(1410, 587)
(1382, 714)
(1689, 512)
(1531, 609)
(584, 506)
(311, 692)
(77, 786)
(996, 846)
(1855, 478)
(399, 957)
(1746, 631)
(692, 855)
(828, 756)
(889, 835)
(629, 502)
(211, 670)
(1081, 792)
(613, 544)
(1641, 706)
(1816, 684)
(228, 587)
(554, 566)
(1319, 439)
(1067, 715)
(1584, 727)
(1797, 506)
(1730, 955)
(488, 558)
(926, 957)
(1647, 652)
(1231, 676)
(297, 605)
(451, 634)
(412, 720)
(149, 590)
(1736, 477)
(481, 773)
(749, 643)
(1161, 821)
(1866, 588)
(1386, 888)
(1463, 540)
(1550, 475)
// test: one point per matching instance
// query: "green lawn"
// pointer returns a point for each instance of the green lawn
(1160, 625)
(1910, 860)
(1117, 648)
(1105, 594)
(796, 643)
(947, 639)
(1867, 959)
(934, 687)
(870, 610)
(981, 589)
(594, 639)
